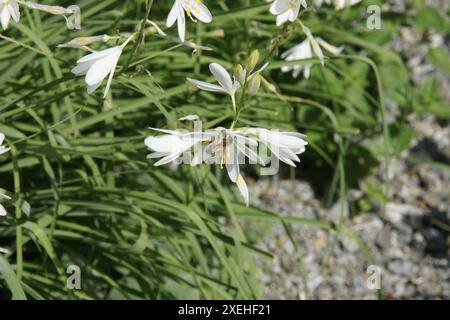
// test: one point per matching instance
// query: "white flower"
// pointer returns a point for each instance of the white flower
(97, 65)
(301, 51)
(286, 10)
(8, 9)
(227, 85)
(193, 8)
(284, 145)
(171, 145)
(304, 51)
(231, 147)
(2, 149)
(2, 208)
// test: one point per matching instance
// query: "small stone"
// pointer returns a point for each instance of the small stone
(396, 212)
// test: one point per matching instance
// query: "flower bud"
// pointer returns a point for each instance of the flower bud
(81, 42)
(254, 84)
(252, 60)
(238, 73)
(56, 10)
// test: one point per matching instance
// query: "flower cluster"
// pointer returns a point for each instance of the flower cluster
(227, 147)
(224, 146)
(10, 9)
(101, 64)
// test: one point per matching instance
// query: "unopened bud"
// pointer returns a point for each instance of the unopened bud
(239, 74)
(252, 60)
(84, 41)
(254, 84)
(56, 10)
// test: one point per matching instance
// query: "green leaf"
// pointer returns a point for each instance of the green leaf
(401, 138)
(440, 57)
(11, 280)
(429, 17)
(440, 109)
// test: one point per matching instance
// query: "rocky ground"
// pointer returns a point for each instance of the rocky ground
(410, 242)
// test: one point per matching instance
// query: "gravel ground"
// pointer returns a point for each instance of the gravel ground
(410, 242)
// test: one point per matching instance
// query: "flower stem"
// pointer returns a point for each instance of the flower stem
(19, 231)
(233, 100)
(123, 45)
(141, 32)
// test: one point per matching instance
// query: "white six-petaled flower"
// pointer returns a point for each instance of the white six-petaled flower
(286, 10)
(304, 51)
(195, 9)
(171, 146)
(8, 9)
(97, 66)
(286, 146)
(226, 84)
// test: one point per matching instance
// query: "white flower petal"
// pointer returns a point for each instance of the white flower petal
(242, 186)
(82, 68)
(199, 10)
(162, 144)
(173, 14)
(102, 67)
(330, 48)
(236, 86)
(5, 17)
(249, 153)
(207, 86)
(97, 55)
(222, 76)
(4, 150)
(4, 196)
(283, 18)
(231, 162)
(307, 71)
(279, 6)
(170, 158)
(2, 211)
(156, 155)
(93, 87)
(13, 8)
(181, 23)
(111, 75)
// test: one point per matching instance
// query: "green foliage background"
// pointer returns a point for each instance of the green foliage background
(85, 194)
